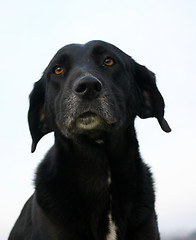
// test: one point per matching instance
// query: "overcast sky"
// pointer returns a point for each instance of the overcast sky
(158, 34)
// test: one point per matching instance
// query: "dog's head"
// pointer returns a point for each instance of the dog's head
(90, 90)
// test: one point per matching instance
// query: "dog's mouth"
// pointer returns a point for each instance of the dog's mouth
(90, 124)
(89, 121)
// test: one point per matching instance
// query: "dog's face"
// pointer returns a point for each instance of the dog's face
(90, 90)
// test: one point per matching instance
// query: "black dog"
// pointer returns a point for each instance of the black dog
(92, 184)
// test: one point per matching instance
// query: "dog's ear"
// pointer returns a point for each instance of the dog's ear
(152, 103)
(36, 116)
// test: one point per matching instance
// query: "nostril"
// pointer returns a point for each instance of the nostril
(80, 88)
(98, 86)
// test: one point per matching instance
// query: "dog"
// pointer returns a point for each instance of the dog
(92, 184)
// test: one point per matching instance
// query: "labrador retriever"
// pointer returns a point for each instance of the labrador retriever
(92, 184)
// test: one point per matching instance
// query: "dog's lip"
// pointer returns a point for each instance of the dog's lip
(92, 114)
(87, 114)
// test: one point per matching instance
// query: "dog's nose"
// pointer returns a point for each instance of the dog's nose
(88, 87)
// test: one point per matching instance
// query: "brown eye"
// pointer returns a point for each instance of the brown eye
(58, 70)
(108, 61)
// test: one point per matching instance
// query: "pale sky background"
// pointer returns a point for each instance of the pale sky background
(160, 34)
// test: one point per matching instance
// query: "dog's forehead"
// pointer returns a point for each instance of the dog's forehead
(100, 46)
(96, 46)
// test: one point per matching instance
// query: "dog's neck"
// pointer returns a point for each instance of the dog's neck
(89, 172)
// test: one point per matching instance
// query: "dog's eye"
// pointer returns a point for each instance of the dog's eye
(58, 70)
(108, 61)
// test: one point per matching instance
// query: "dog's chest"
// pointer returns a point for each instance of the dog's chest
(112, 228)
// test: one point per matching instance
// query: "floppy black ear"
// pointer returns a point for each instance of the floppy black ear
(152, 104)
(36, 116)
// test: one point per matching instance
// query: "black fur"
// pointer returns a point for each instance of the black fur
(89, 96)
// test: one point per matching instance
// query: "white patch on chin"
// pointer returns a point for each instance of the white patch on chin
(112, 229)
(88, 123)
